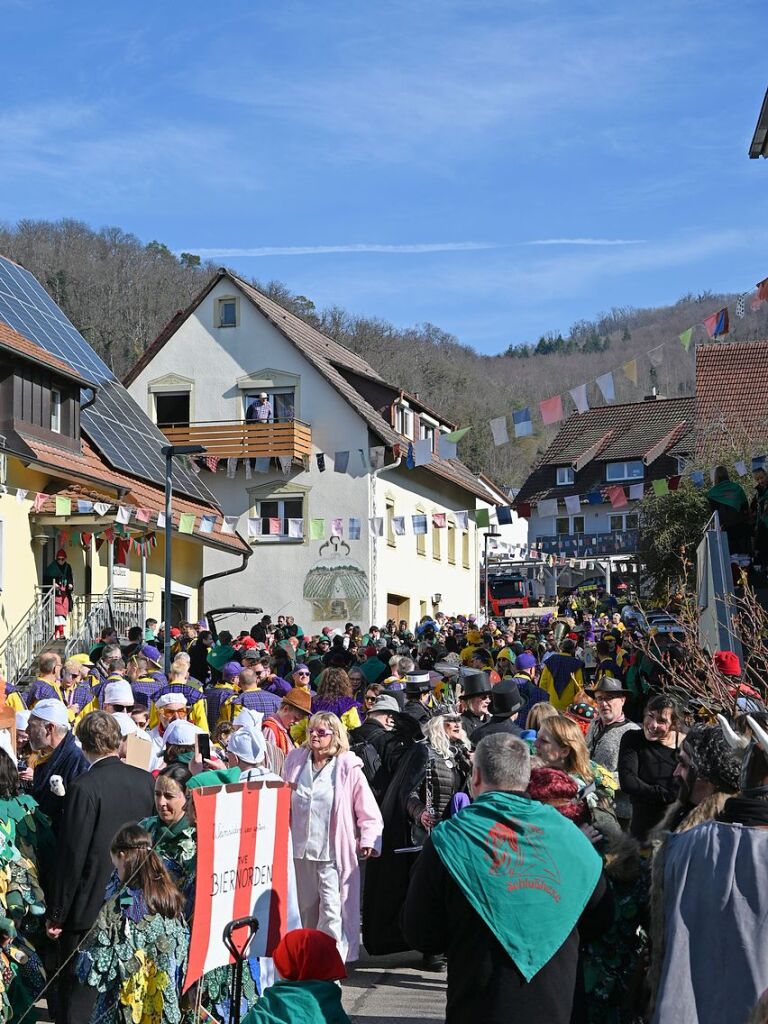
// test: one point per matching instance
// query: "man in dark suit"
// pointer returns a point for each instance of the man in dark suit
(108, 796)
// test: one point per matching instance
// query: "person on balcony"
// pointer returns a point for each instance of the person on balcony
(59, 576)
(260, 411)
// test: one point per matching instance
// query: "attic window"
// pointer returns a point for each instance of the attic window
(564, 476)
(226, 312)
(55, 410)
(624, 470)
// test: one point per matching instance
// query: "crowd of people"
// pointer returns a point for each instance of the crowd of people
(532, 806)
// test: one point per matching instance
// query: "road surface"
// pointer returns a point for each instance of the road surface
(392, 988)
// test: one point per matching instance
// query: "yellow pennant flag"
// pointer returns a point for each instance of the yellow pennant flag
(630, 370)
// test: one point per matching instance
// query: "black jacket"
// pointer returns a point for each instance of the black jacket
(111, 794)
(484, 985)
(69, 762)
(494, 725)
(646, 775)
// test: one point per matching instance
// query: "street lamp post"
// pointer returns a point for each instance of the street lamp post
(170, 452)
(485, 570)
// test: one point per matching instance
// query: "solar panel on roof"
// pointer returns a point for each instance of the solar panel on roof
(116, 425)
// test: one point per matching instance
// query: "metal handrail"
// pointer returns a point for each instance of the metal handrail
(25, 641)
(90, 614)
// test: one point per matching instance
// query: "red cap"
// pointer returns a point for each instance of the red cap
(728, 663)
(175, 631)
(248, 642)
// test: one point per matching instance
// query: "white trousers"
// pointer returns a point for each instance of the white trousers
(317, 886)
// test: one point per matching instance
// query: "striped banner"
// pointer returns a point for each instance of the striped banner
(244, 855)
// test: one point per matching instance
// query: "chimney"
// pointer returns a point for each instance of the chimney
(652, 397)
(416, 395)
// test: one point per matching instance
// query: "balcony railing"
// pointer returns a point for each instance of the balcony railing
(586, 545)
(230, 439)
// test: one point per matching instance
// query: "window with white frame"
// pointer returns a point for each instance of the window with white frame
(451, 543)
(564, 476)
(55, 411)
(226, 311)
(621, 522)
(465, 549)
(280, 508)
(567, 526)
(427, 433)
(404, 421)
(632, 470)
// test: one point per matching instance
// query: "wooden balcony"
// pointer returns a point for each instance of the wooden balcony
(232, 439)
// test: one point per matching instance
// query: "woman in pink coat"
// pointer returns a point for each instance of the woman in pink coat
(334, 820)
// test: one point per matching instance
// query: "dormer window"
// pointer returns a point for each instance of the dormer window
(226, 311)
(616, 471)
(404, 421)
(564, 476)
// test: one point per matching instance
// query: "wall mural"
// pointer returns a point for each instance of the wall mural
(336, 585)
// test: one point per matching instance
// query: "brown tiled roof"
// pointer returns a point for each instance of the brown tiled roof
(12, 341)
(100, 482)
(732, 391)
(324, 354)
(618, 432)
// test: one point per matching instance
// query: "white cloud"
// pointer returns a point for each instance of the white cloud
(314, 250)
(586, 241)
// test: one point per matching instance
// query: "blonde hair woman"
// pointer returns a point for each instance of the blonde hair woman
(334, 819)
(538, 713)
(560, 744)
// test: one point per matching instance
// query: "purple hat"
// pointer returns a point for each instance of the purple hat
(525, 661)
(231, 669)
(152, 653)
(300, 667)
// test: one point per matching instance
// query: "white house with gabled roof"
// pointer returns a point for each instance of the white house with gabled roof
(197, 381)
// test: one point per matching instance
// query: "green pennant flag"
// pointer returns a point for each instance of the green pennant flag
(482, 517)
(186, 522)
(316, 529)
(685, 338)
(660, 487)
(456, 435)
(63, 506)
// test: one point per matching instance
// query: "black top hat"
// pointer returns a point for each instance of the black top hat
(474, 682)
(609, 684)
(417, 682)
(505, 700)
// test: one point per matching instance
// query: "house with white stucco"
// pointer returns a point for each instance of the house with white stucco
(303, 477)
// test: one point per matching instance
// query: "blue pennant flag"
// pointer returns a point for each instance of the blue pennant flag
(409, 459)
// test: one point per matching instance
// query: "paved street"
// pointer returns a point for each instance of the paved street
(391, 988)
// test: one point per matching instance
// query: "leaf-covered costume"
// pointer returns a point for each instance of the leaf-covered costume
(21, 902)
(33, 836)
(176, 846)
(136, 961)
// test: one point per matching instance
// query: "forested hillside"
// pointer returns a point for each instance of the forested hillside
(120, 292)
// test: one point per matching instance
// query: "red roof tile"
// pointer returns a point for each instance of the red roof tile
(732, 392)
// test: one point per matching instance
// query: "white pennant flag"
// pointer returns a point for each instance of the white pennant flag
(656, 355)
(741, 468)
(20, 494)
(230, 524)
(248, 472)
(636, 492)
(285, 464)
(123, 515)
(101, 507)
(161, 520)
(579, 396)
(377, 526)
(547, 507)
(422, 452)
(605, 383)
(462, 520)
(446, 449)
(254, 526)
(376, 456)
(499, 430)
(572, 505)
(296, 528)
(398, 526)
(207, 524)
(231, 468)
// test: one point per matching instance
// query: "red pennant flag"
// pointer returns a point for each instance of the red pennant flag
(109, 534)
(617, 497)
(274, 527)
(551, 410)
(86, 539)
(99, 542)
(762, 289)
(524, 509)
(673, 483)
(122, 547)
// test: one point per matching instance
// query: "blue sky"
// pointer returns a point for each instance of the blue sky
(499, 169)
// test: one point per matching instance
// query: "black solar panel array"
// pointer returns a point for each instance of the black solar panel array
(116, 425)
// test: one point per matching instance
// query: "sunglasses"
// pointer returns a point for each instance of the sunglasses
(322, 733)
(123, 707)
(606, 698)
(370, 700)
(170, 713)
(453, 719)
(301, 673)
